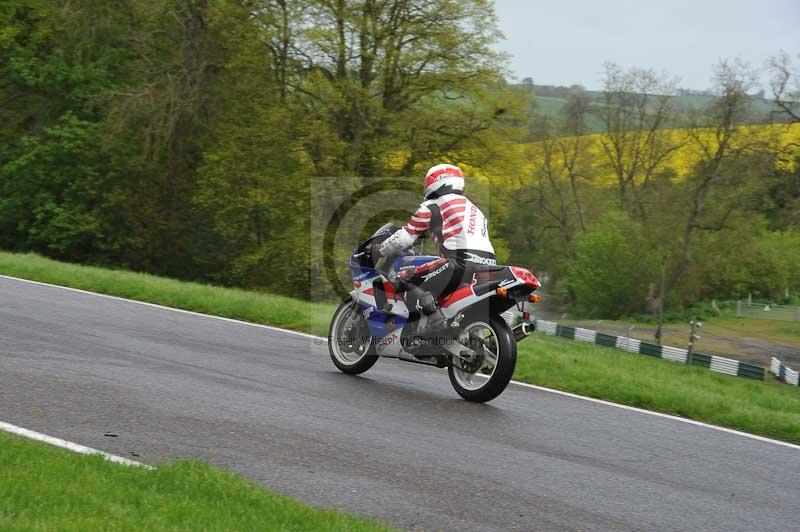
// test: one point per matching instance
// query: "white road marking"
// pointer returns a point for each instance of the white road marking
(659, 414)
(524, 384)
(154, 305)
(64, 444)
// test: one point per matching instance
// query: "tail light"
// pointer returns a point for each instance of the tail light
(526, 277)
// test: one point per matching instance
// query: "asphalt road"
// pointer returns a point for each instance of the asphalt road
(396, 444)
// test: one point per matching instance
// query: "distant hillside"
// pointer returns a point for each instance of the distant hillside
(549, 100)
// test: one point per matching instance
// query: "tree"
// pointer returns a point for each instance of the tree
(611, 268)
(785, 85)
(574, 145)
(412, 77)
(716, 133)
(636, 107)
(58, 174)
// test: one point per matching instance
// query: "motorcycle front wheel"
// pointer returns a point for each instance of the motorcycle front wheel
(484, 376)
(352, 353)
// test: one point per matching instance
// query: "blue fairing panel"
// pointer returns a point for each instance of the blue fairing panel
(377, 321)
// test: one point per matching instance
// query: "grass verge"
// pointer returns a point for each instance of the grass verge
(45, 488)
(766, 408)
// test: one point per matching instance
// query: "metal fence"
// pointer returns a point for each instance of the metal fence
(767, 311)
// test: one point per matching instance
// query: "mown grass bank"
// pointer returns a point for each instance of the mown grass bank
(45, 488)
(766, 408)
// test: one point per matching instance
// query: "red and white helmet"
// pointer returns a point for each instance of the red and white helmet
(443, 176)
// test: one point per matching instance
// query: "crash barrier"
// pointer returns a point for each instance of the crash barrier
(727, 366)
(783, 372)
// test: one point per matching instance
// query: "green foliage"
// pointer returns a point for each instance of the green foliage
(56, 195)
(743, 259)
(612, 266)
(677, 314)
(193, 139)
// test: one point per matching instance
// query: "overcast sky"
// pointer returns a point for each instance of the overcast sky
(563, 42)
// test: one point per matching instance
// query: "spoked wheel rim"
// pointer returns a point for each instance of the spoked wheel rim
(341, 344)
(474, 374)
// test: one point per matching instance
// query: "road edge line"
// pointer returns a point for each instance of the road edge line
(156, 305)
(68, 445)
(659, 414)
(518, 383)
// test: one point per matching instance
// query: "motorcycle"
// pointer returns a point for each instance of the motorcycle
(478, 348)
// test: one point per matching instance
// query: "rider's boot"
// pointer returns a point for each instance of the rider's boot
(435, 323)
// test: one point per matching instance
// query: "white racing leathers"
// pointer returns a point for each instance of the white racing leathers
(457, 225)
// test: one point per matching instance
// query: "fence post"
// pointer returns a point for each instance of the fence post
(797, 313)
(693, 336)
(738, 308)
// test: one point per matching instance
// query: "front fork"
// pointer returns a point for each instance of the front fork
(352, 319)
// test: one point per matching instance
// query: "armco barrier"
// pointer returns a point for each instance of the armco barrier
(727, 366)
(784, 373)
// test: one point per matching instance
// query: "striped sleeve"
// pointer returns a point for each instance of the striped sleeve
(420, 222)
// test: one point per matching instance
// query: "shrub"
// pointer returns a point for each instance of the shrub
(613, 267)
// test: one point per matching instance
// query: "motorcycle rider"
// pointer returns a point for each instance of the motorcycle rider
(461, 233)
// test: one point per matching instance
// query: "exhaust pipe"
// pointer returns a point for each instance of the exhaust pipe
(522, 331)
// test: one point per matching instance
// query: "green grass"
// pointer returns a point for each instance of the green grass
(766, 408)
(774, 330)
(45, 488)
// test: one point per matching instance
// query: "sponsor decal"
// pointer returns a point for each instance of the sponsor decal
(471, 257)
(473, 218)
(386, 341)
(435, 272)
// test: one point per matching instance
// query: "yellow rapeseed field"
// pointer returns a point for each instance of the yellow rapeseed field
(680, 161)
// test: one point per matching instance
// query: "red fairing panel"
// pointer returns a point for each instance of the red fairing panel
(457, 295)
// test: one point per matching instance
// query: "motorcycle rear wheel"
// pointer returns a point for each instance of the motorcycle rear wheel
(492, 372)
(350, 357)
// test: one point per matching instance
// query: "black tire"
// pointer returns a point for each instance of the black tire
(506, 361)
(361, 363)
